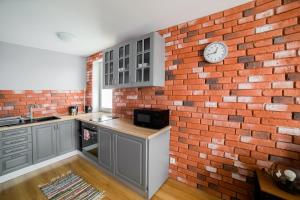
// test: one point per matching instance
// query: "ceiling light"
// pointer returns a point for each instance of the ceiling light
(65, 36)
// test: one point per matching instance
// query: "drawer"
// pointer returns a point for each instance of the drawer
(15, 162)
(14, 133)
(15, 149)
(14, 141)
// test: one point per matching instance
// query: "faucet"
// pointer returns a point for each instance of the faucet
(30, 107)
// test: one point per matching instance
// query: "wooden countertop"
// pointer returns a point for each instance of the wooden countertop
(267, 185)
(121, 125)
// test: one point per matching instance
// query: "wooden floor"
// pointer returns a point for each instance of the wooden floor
(26, 186)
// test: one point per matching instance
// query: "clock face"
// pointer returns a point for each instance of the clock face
(215, 52)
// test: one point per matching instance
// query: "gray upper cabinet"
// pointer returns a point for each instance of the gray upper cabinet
(149, 57)
(135, 63)
(65, 137)
(109, 68)
(44, 142)
(124, 64)
(130, 160)
(106, 149)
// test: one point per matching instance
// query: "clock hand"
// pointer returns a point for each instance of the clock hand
(214, 51)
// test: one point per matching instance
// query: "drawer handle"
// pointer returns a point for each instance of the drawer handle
(17, 155)
(15, 150)
(14, 133)
(15, 142)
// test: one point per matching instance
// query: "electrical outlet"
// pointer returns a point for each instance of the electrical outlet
(172, 160)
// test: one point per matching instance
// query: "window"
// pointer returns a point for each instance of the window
(105, 100)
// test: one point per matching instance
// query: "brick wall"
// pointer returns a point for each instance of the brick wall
(50, 102)
(232, 117)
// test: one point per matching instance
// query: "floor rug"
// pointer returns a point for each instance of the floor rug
(70, 186)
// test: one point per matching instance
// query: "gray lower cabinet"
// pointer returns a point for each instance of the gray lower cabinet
(54, 139)
(65, 137)
(105, 149)
(15, 150)
(44, 142)
(140, 163)
(130, 159)
(22, 147)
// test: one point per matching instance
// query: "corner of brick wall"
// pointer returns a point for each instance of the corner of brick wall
(229, 118)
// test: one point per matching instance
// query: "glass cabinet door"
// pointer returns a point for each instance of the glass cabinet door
(109, 68)
(123, 64)
(142, 70)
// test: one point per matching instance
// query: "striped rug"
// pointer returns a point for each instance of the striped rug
(70, 186)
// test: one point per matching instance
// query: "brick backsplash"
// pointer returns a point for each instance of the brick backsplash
(229, 118)
(50, 102)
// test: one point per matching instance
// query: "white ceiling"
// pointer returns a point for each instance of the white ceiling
(97, 24)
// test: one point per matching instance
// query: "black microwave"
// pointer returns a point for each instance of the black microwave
(151, 118)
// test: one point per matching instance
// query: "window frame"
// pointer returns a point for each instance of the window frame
(101, 70)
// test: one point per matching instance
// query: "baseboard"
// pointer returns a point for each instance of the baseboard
(31, 168)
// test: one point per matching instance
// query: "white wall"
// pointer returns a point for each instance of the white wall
(27, 68)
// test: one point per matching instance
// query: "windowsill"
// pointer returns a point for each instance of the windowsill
(106, 110)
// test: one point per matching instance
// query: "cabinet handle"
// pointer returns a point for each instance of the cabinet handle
(16, 141)
(17, 155)
(14, 133)
(15, 150)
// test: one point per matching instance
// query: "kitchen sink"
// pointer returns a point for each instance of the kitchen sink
(14, 121)
(42, 119)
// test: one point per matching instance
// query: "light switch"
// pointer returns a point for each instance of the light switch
(172, 160)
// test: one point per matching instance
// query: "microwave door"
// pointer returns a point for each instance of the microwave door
(144, 118)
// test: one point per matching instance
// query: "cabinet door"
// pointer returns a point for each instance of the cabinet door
(109, 69)
(143, 61)
(44, 142)
(65, 137)
(130, 160)
(124, 64)
(106, 149)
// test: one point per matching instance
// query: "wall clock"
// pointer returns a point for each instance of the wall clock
(215, 52)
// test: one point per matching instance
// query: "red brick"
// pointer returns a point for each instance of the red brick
(285, 54)
(245, 159)
(262, 36)
(283, 16)
(287, 7)
(281, 62)
(267, 49)
(259, 156)
(281, 137)
(288, 146)
(264, 14)
(292, 29)
(249, 25)
(278, 152)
